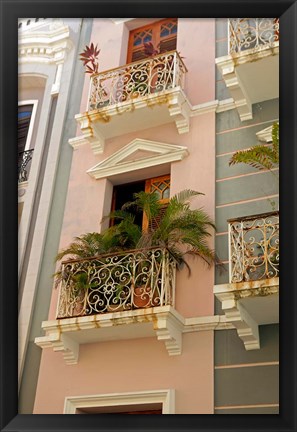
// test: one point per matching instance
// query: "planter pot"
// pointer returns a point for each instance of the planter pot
(143, 297)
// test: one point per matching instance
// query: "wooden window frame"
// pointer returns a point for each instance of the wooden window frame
(147, 188)
(156, 38)
(163, 202)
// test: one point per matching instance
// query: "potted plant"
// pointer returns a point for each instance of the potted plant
(89, 57)
(181, 231)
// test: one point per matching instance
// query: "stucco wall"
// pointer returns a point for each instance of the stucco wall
(128, 366)
(143, 364)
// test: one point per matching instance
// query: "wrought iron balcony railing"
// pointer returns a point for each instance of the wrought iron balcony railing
(135, 80)
(252, 33)
(116, 282)
(254, 247)
(24, 159)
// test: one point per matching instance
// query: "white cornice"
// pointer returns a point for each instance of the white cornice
(120, 20)
(48, 46)
(160, 153)
(265, 135)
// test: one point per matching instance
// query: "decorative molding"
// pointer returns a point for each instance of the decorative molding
(180, 110)
(165, 397)
(265, 135)
(61, 343)
(179, 107)
(207, 323)
(29, 24)
(204, 108)
(91, 133)
(252, 55)
(225, 105)
(226, 65)
(120, 20)
(256, 292)
(48, 46)
(169, 329)
(77, 142)
(230, 296)
(116, 164)
(92, 123)
(166, 323)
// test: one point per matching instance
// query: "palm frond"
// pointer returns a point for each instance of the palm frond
(260, 156)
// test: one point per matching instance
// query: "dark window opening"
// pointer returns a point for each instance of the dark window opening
(148, 408)
(125, 193)
(24, 118)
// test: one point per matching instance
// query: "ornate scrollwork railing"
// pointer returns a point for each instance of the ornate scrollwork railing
(254, 247)
(116, 282)
(135, 80)
(252, 33)
(24, 159)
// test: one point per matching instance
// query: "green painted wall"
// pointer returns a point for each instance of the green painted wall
(244, 379)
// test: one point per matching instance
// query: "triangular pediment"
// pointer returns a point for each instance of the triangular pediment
(136, 155)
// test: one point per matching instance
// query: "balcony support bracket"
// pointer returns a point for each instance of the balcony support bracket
(91, 133)
(227, 67)
(247, 328)
(233, 298)
(169, 329)
(60, 342)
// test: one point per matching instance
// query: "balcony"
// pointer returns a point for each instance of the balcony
(24, 165)
(253, 56)
(251, 297)
(117, 282)
(116, 296)
(133, 97)
(254, 247)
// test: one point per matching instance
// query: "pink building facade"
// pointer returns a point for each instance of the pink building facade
(176, 353)
(172, 119)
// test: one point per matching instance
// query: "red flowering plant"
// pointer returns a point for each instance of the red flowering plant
(89, 57)
(150, 50)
